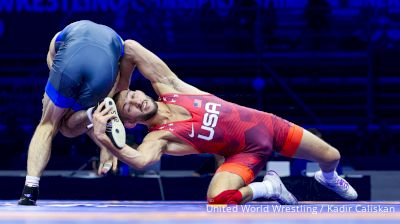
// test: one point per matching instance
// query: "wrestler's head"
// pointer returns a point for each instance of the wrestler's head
(134, 107)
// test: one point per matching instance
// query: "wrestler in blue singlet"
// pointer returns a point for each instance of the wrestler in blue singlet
(85, 66)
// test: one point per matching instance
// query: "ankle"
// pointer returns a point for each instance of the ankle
(262, 189)
(32, 181)
(330, 176)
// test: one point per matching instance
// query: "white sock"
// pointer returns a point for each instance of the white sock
(89, 113)
(32, 181)
(261, 189)
(330, 176)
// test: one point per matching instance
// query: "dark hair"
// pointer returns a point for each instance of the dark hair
(117, 97)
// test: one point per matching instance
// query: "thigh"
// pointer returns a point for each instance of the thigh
(51, 114)
(223, 181)
(64, 83)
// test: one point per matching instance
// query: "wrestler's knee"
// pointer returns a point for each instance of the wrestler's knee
(66, 131)
(330, 155)
(225, 197)
(66, 126)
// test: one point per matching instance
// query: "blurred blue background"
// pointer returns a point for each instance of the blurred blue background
(331, 65)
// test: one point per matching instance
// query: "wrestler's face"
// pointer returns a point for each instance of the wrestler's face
(135, 106)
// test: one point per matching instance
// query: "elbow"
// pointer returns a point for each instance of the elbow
(140, 166)
(130, 48)
(144, 163)
(130, 43)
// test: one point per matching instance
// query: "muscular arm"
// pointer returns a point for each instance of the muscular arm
(125, 73)
(155, 70)
(147, 153)
(126, 68)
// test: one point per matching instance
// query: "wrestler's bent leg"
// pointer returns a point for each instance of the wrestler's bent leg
(74, 124)
(315, 149)
(40, 149)
(227, 188)
(230, 188)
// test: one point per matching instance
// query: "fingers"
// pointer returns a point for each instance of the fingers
(102, 110)
(104, 114)
(105, 111)
(100, 107)
(99, 169)
(115, 164)
(104, 168)
(109, 116)
(107, 166)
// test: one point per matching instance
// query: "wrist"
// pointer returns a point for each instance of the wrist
(101, 137)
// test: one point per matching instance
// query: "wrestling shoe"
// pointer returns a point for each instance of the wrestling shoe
(281, 194)
(338, 185)
(29, 196)
(115, 130)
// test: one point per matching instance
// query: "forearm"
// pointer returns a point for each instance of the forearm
(126, 69)
(90, 133)
(127, 154)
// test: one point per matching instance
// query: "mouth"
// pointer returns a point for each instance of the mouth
(143, 106)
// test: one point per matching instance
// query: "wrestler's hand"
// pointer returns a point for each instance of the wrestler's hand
(101, 116)
(107, 161)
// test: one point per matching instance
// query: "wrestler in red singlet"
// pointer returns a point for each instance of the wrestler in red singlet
(244, 136)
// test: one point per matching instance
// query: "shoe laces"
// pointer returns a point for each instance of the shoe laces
(342, 184)
(282, 198)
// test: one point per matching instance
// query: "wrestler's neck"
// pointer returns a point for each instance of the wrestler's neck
(163, 115)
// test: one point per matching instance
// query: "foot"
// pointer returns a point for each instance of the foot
(281, 194)
(29, 196)
(115, 129)
(338, 185)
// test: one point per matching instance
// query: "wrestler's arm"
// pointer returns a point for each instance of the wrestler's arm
(52, 51)
(155, 70)
(107, 160)
(126, 68)
(147, 153)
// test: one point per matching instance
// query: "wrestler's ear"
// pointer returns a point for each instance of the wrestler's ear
(129, 124)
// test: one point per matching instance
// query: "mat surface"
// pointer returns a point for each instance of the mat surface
(52, 211)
